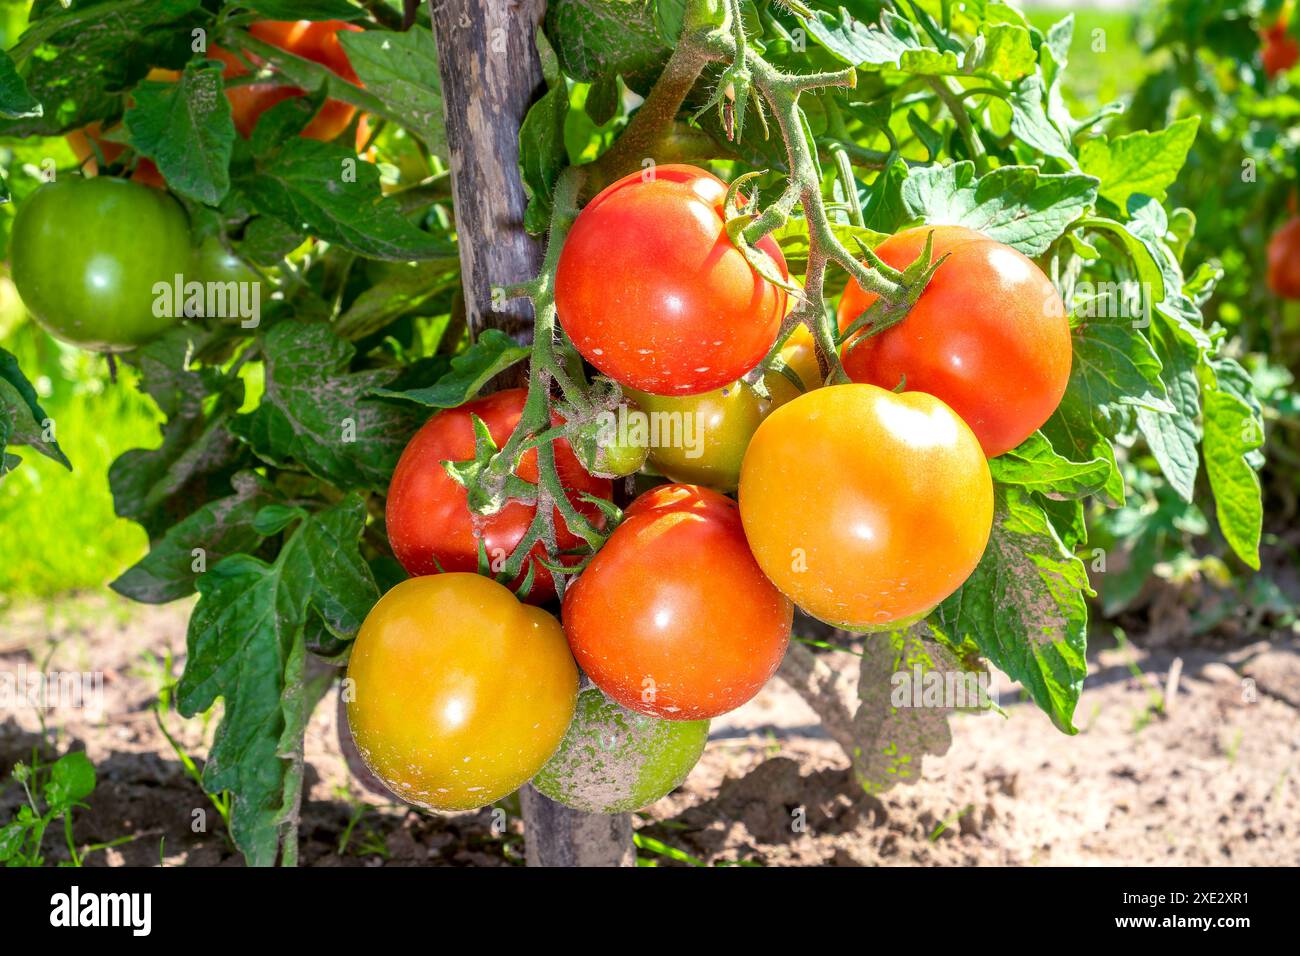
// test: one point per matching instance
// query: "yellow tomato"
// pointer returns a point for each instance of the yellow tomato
(702, 438)
(865, 507)
(460, 693)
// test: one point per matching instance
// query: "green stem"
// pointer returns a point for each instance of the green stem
(952, 100)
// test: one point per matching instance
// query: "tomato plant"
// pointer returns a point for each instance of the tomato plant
(454, 326)
(673, 618)
(430, 525)
(86, 255)
(653, 292)
(460, 693)
(988, 336)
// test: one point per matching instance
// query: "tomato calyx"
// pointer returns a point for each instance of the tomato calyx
(883, 313)
(488, 478)
(737, 225)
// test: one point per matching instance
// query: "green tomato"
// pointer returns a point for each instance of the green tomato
(604, 452)
(702, 438)
(613, 760)
(87, 253)
(214, 263)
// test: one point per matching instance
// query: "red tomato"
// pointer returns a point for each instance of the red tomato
(989, 336)
(673, 617)
(1280, 49)
(1284, 260)
(654, 294)
(429, 522)
(311, 40)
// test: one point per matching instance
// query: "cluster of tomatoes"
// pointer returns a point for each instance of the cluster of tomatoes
(87, 253)
(1279, 50)
(865, 504)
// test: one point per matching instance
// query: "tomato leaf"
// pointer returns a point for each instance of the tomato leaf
(318, 416)
(186, 128)
(217, 529)
(323, 188)
(599, 39)
(402, 70)
(16, 100)
(1035, 466)
(1023, 607)
(1017, 205)
(198, 455)
(893, 731)
(1142, 162)
(77, 60)
(1232, 432)
(22, 420)
(492, 354)
(1173, 438)
(246, 645)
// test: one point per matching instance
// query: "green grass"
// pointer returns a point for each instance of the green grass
(59, 529)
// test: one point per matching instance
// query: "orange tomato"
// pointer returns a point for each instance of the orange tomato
(865, 507)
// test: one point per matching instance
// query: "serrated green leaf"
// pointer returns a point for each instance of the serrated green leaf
(1024, 608)
(1017, 205)
(246, 644)
(1232, 432)
(402, 70)
(187, 130)
(492, 354)
(1035, 466)
(16, 100)
(217, 529)
(22, 420)
(318, 416)
(1142, 162)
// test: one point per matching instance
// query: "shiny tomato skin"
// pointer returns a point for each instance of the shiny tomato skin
(315, 41)
(459, 693)
(654, 294)
(673, 618)
(866, 507)
(1284, 260)
(87, 253)
(727, 418)
(429, 522)
(989, 336)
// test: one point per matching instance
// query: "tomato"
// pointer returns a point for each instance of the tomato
(613, 760)
(1284, 260)
(459, 692)
(654, 294)
(702, 438)
(605, 451)
(317, 41)
(867, 508)
(84, 141)
(429, 522)
(673, 618)
(1280, 50)
(989, 336)
(86, 254)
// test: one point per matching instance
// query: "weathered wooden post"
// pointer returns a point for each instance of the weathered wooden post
(490, 76)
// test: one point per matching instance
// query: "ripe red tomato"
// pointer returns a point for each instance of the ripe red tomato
(989, 336)
(312, 40)
(1280, 50)
(1284, 260)
(865, 507)
(459, 693)
(673, 618)
(429, 522)
(654, 294)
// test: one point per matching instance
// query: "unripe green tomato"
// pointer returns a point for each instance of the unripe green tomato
(715, 427)
(213, 263)
(606, 453)
(86, 255)
(614, 761)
